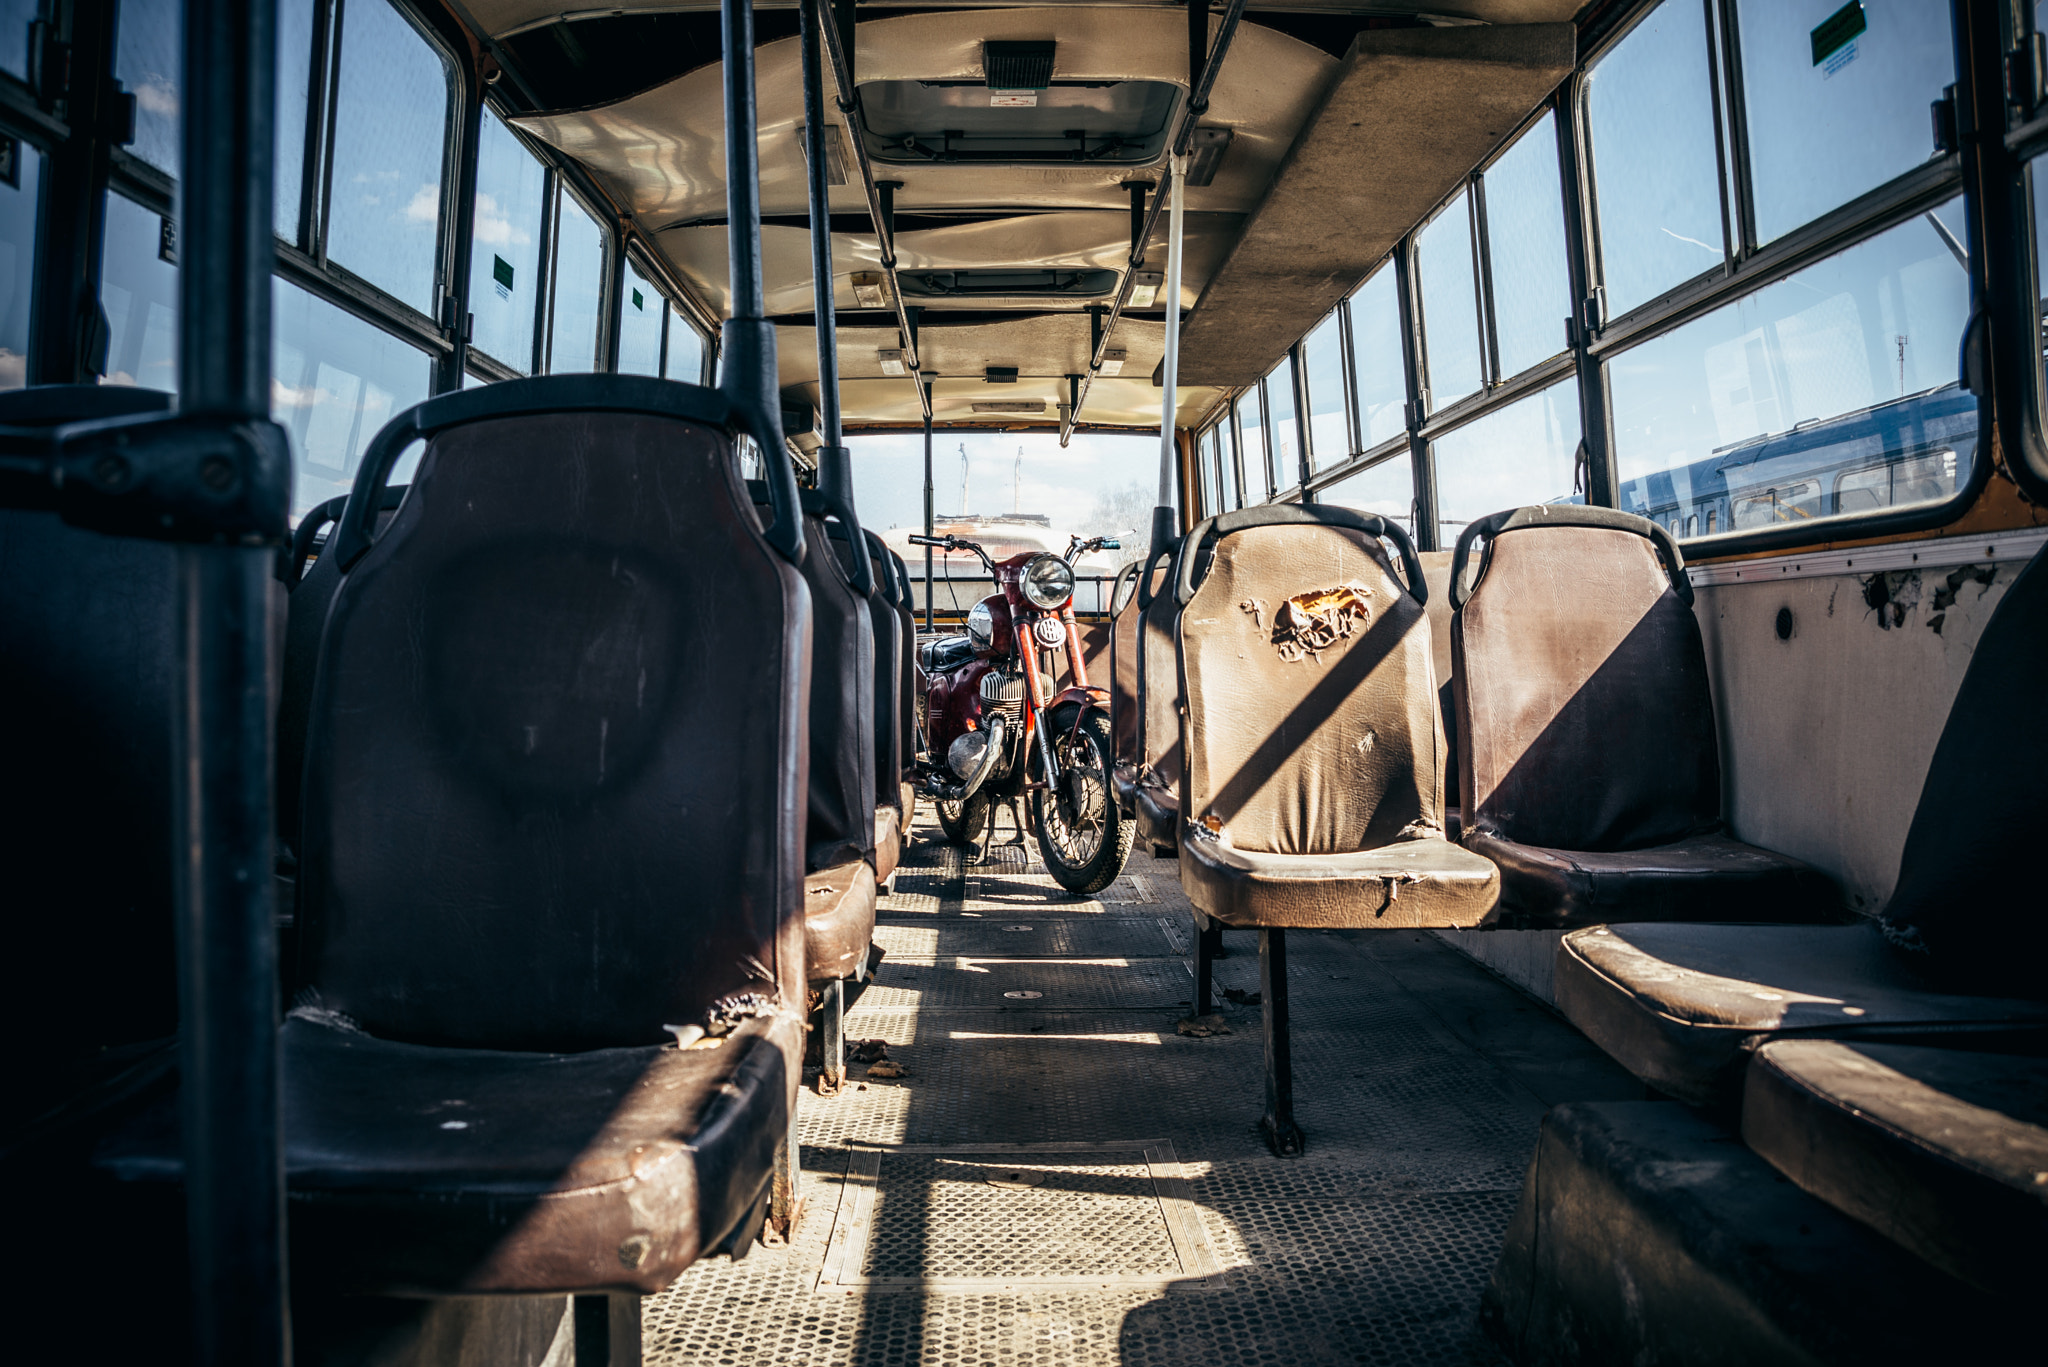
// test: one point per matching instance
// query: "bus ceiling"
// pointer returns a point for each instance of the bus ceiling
(1308, 168)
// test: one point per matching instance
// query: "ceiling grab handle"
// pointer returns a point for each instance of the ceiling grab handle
(1164, 528)
(747, 356)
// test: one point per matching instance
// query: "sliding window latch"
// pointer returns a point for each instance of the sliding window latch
(1943, 115)
(191, 477)
(2024, 67)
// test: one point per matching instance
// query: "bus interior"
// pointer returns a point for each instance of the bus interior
(748, 675)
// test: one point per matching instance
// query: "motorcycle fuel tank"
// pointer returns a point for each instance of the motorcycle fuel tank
(953, 706)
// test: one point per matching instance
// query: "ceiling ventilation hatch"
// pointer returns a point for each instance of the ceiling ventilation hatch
(1020, 111)
(1049, 282)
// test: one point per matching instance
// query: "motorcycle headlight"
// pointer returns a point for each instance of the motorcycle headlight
(1047, 582)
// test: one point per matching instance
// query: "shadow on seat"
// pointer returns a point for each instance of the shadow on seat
(1588, 764)
(1313, 792)
(546, 843)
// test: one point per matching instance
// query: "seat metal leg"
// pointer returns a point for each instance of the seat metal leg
(1208, 940)
(785, 1201)
(832, 1042)
(1282, 1134)
(608, 1330)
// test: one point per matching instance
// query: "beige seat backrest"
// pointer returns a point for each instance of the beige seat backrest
(1585, 718)
(1312, 716)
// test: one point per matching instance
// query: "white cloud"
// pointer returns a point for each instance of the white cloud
(493, 228)
(158, 96)
(283, 395)
(425, 206)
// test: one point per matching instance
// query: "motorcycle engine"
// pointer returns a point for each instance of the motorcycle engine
(1003, 693)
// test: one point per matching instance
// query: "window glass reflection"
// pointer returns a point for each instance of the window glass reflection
(148, 60)
(579, 284)
(640, 313)
(1322, 371)
(294, 93)
(1283, 440)
(1226, 465)
(1859, 108)
(1832, 392)
(1251, 424)
(1650, 119)
(1450, 305)
(18, 264)
(1205, 471)
(1532, 294)
(139, 291)
(391, 114)
(1376, 364)
(336, 380)
(685, 349)
(1387, 488)
(504, 264)
(2039, 194)
(15, 17)
(1511, 458)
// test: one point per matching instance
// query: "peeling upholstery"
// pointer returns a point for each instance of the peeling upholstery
(1943, 1151)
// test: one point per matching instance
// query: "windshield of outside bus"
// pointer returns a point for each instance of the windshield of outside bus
(1013, 492)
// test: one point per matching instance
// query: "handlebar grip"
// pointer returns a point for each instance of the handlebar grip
(927, 540)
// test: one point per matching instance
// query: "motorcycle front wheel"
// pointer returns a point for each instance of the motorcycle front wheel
(963, 822)
(1082, 836)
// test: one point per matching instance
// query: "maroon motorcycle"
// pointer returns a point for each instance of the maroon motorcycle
(995, 731)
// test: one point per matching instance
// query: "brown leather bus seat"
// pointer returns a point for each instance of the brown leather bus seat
(1145, 704)
(839, 838)
(88, 672)
(1315, 760)
(1123, 685)
(544, 828)
(1956, 955)
(1589, 769)
(1313, 788)
(1436, 572)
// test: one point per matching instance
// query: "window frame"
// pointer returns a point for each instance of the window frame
(2019, 389)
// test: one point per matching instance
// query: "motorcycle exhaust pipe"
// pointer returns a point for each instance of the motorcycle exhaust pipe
(978, 764)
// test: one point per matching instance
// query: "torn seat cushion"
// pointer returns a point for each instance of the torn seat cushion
(432, 1171)
(1698, 878)
(1944, 1151)
(839, 920)
(1409, 884)
(1676, 1003)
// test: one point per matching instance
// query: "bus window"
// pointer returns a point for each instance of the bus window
(1860, 108)
(294, 94)
(1387, 488)
(504, 268)
(2038, 191)
(1511, 458)
(1205, 472)
(139, 291)
(15, 17)
(1229, 496)
(1650, 120)
(1844, 365)
(336, 379)
(685, 347)
(1920, 479)
(1377, 371)
(1322, 375)
(148, 56)
(1450, 304)
(641, 309)
(18, 261)
(1525, 250)
(1777, 505)
(390, 122)
(1282, 435)
(1251, 423)
(579, 285)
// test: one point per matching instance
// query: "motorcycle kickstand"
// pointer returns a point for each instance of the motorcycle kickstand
(1016, 821)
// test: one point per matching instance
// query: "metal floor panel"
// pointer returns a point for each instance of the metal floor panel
(1146, 1181)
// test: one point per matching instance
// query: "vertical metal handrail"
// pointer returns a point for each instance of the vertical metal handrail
(222, 756)
(1163, 529)
(835, 474)
(749, 381)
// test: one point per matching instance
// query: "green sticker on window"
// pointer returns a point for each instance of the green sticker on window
(1838, 29)
(638, 302)
(501, 271)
